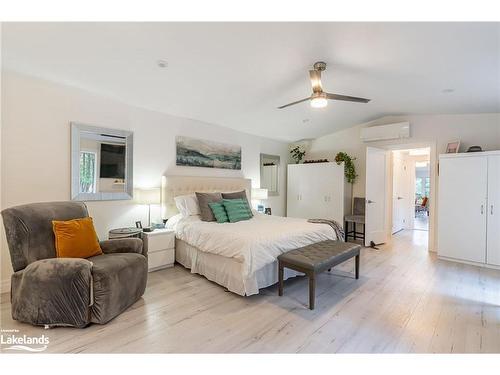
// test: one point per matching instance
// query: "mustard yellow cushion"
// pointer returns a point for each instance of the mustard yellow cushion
(76, 238)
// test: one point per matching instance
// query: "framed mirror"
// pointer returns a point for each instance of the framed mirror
(101, 163)
(269, 173)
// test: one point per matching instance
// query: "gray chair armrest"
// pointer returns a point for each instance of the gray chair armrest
(123, 245)
(55, 292)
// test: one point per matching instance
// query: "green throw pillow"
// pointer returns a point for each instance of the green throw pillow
(219, 212)
(237, 209)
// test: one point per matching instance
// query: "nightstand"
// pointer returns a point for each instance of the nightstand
(160, 244)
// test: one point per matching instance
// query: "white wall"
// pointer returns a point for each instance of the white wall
(36, 149)
(471, 129)
(435, 130)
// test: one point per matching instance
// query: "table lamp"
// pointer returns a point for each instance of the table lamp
(148, 197)
(259, 194)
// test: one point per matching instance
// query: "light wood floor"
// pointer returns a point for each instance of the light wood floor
(405, 301)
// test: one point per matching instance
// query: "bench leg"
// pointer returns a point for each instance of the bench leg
(346, 230)
(356, 261)
(312, 290)
(280, 276)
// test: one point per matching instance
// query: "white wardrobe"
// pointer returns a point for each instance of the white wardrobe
(318, 191)
(469, 207)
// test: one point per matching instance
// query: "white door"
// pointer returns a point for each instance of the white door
(331, 180)
(376, 181)
(303, 199)
(294, 191)
(493, 231)
(399, 193)
(462, 208)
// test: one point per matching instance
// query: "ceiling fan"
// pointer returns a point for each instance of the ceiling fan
(319, 98)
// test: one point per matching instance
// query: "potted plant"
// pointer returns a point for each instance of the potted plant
(297, 152)
(349, 169)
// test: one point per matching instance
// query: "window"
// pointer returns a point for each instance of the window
(88, 171)
(422, 187)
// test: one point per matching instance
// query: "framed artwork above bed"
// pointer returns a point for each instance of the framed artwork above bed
(195, 152)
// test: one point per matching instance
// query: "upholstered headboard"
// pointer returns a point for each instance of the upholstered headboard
(173, 186)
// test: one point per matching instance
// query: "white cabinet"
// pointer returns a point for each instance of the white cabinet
(318, 191)
(493, 208)
(160, 245)
(468, 224)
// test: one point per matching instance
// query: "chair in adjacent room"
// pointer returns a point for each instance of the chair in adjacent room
(51, 291)
(357, 218)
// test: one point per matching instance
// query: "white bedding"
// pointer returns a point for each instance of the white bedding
(255, 243)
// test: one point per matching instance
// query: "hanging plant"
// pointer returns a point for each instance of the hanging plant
(298, 153)
(349, 169)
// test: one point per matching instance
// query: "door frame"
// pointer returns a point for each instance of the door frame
(433, 174)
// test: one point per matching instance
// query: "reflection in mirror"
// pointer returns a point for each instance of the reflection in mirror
(101, 163)
(269, 173)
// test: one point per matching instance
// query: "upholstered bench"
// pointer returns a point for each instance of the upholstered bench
(316, 258)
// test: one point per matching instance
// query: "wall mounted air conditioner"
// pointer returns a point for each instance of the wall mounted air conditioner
(385, 132)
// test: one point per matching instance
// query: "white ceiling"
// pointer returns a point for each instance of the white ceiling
(236, 74)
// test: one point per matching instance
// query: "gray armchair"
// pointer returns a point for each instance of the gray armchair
(46, 290)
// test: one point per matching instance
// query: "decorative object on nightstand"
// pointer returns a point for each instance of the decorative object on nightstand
(124, 233)
(259, 195)
(148, 197)
(160, 246)
(268, 211)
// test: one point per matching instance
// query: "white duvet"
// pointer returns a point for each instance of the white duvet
(255, 242)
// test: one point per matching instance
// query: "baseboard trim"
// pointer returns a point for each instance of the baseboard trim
(5, 286)
(482, 265)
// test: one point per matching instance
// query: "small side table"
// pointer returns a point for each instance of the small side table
(124, 233)
(160, 245)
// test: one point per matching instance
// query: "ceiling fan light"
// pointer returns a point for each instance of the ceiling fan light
(319, 102)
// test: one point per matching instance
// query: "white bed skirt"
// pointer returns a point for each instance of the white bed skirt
(226, 271)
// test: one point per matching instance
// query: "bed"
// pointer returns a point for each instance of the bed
(239, 256)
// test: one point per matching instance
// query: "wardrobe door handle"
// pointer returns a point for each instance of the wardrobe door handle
(491, 210)
(482, 209)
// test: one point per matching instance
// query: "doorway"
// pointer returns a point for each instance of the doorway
(411, 187)
(391, 192)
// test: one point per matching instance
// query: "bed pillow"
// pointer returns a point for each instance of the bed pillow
(203, 200)
(237, 195)
(237, 209)
(219, 212)
(187, 205)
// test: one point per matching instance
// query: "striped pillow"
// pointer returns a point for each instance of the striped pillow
(237, 209)
(219, 212)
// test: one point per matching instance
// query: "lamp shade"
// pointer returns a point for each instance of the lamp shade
(148, 196)
(259, 194)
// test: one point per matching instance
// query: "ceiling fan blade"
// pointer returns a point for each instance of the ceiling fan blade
(315, 76)
(293, 103)
(346, 98)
